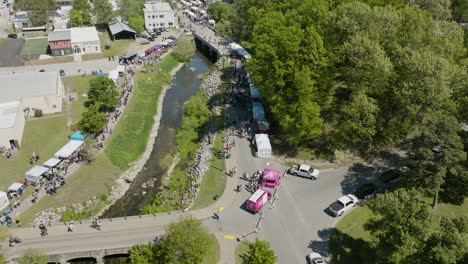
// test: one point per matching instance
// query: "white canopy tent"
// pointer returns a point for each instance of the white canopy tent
(191, 14)
(4, 202)
(114, 75)
(254, 92)
(67, 150)
(257, 111)
(52, 162)
(263, 145)
(35, 173)
(15, 187)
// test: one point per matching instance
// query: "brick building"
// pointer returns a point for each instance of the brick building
(60, 42)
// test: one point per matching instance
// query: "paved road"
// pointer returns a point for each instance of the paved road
(4, 22)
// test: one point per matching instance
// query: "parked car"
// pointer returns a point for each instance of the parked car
(13, 35)
(41, 70)
(343, 204)
(315, 258)
(62, 73)
(366, 191)
(171, 37)
(390, 176)
(150, 39)
(304, 171)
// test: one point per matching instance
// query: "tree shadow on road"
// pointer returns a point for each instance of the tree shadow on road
(369, 172)
(321, 246)
(344, 249)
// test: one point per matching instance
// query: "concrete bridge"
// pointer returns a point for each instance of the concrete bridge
(99, 256)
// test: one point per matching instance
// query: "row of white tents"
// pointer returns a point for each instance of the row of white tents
(35, 173)
(115, 73)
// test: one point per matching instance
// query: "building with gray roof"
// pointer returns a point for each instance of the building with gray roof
(120, 30)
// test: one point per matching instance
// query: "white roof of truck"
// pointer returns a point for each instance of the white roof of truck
(256, 195)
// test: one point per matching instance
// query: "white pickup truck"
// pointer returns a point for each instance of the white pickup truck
(304, 171)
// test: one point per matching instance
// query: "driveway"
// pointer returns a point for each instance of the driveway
(9, 52)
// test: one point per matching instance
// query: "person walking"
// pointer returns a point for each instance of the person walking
(70, 227)
(43, 229)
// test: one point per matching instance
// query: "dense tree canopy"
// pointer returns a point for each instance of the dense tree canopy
(39, 10)
(103, 92)
(84, 9)
(259, 252)
(103, 11)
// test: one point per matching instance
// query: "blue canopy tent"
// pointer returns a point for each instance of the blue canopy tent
(77, 135)
(100, 74)
(156, 47)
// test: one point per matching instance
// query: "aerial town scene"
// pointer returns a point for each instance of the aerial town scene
(233, 131)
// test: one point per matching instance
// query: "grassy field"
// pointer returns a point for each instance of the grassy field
(349, 242)
(35, 47)
(214, 180)
(129, 138)
(212, 256)
(43, 136)
(79, 85)
(117, 47)
(90, 180)
(241, 249)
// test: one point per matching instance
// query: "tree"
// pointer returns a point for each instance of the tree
(184, 49)
(75, 18)
(103, 93)
(439, 9)
(33, 256)
(92, 120)
(88, 150)
(259, 252)
(103, 11)
(137, 23)
(460, 10)
(39, 10)
(84, 8)
(131, 8)
(219, 11)
(401, 225)
(185, 242)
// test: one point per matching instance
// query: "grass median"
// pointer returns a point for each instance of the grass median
(129, 138)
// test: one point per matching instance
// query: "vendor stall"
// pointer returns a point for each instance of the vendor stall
(257, 111)
(33, 175)
(120, 69)
(77, 135)
(263, 146)
(270, 178)
(114, 76)
(52, 162)
(254, 93)
(15, 188)
(4, 202)
(67, 150)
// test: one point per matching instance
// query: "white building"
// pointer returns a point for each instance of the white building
(159, 15)
(23, 93)
(85, 40)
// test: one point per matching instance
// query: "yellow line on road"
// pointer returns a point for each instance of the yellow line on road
(229, 237)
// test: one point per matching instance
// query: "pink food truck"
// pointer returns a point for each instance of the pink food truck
(270, 178)
(258, 200)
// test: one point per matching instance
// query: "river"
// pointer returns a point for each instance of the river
(185, 84)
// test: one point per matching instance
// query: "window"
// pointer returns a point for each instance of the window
(65, 42)
(171, 24)
(96, 48)
(162, 24)
(153, 16)
(54, 106)
(55, 43)
(84, 50)
(149, 16)
(161, 16)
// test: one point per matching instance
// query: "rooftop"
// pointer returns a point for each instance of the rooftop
(27, 85)
(59, 35)
(84, 34)
(157, 7)
(8, 114)
(117, 27)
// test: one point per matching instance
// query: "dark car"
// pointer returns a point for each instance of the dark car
(41, 70)
(171, 37)
(13, 36)
(62, 73)
(390, 176)
(158, 33)
(366, 191)
(150, 39)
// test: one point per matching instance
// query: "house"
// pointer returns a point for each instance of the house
(22, 94)
(21, 20)
(60, 42)
(85, 40)
(159, 15)
(120, 30)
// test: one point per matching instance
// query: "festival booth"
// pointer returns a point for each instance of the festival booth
(33, 175)
(129, 56)
(197, 18)
(263, 127)
(66, 151)
(120, 69)
(4, 202)
(257, 111)
(52, 163)
(270, 178)
(190, 14)
(263, 145)
(257, 200)
(15, 188)
(114, 76)
(77, 135)
(240, 50)
(254, 93)
(156, 47)
(100, 74)
(194, 9)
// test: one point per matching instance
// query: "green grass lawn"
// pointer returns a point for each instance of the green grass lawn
(241, 249)
(129, 138)
(79, 85)
(212, 255)
(214, 180)
(35, 47)
(349, 242)
(45, 137)
(117, 47)
(90, 180)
